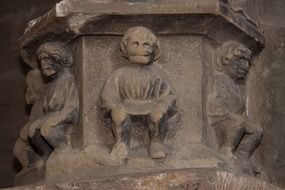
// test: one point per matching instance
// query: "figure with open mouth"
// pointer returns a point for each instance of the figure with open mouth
(139, 89)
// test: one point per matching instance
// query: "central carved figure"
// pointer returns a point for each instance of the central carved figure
(139, 90)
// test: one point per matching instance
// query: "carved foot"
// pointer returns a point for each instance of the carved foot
(119, 152)
(248, 167)
(228, 152)
(157, 150)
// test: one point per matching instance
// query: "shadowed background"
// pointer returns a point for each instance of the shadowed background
(14, 15)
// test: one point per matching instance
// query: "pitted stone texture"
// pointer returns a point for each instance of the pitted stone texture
(94, 27)
(71, 18)
(184, 64)
(99, 57)
(199, 179)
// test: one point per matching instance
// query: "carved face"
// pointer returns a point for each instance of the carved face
(140, 49)
(239, 67)
(49, 66)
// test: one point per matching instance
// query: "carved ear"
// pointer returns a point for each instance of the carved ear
(156, 50)
(225, 60)
(218, 59)
(123, 47)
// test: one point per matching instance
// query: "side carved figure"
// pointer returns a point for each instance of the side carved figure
(60, 100)
(23, 150)
(236, 136)
(139, 90)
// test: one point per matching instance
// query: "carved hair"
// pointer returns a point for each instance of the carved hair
(140, 30)
(231, 51)
(58, 51)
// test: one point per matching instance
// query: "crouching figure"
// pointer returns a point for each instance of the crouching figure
(236, 136)
(139, 90)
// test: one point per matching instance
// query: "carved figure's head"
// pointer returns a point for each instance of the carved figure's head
(234, 59)
(34, 84)
(140, 46)
(53, 57)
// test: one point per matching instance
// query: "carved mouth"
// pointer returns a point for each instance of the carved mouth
(140, 59)
(147, 55)
(48, 71)
(243, 71)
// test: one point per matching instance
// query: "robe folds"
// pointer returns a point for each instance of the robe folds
(139, 90)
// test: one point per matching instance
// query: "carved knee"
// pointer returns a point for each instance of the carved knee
(20, 151)
(118, 116)
(57, 136)
(156, 117)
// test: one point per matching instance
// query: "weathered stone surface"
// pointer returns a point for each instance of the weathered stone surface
(71, 18)
(181, 64)
(175, 63)
(266, 105)
(190, 34)
(235, 136)
(195, 179)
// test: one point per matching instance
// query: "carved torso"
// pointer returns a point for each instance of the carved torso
(226, 103)
(231, 94)
(137, 88)
(57, 93)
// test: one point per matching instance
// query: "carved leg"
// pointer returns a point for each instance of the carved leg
(232, 138)
(249, 142)
(57, 136)
(41, 145)
(42, 148)
(157, 130)
(121, 131)
(24, 153)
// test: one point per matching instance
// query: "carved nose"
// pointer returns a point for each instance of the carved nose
(149, 51)
(45, 65)
(146, 51)
(245, 65)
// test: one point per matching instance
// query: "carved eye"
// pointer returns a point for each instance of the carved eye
(237, 51)
(146, 45)
(226, 60)
(44, 58)
(56, 57)
(135, 44)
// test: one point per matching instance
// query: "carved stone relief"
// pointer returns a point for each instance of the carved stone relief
(23, 150)
(140, 91)
(60, 104)
(236, 137)
(54, 98)
(144, 105)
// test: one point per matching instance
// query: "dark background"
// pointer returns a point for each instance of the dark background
(14, 15)
(266, 85)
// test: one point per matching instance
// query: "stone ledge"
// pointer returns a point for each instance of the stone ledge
(72, 18)
(190, 179)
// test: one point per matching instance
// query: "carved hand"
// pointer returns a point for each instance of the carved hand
(46, 127)
(35, 125)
